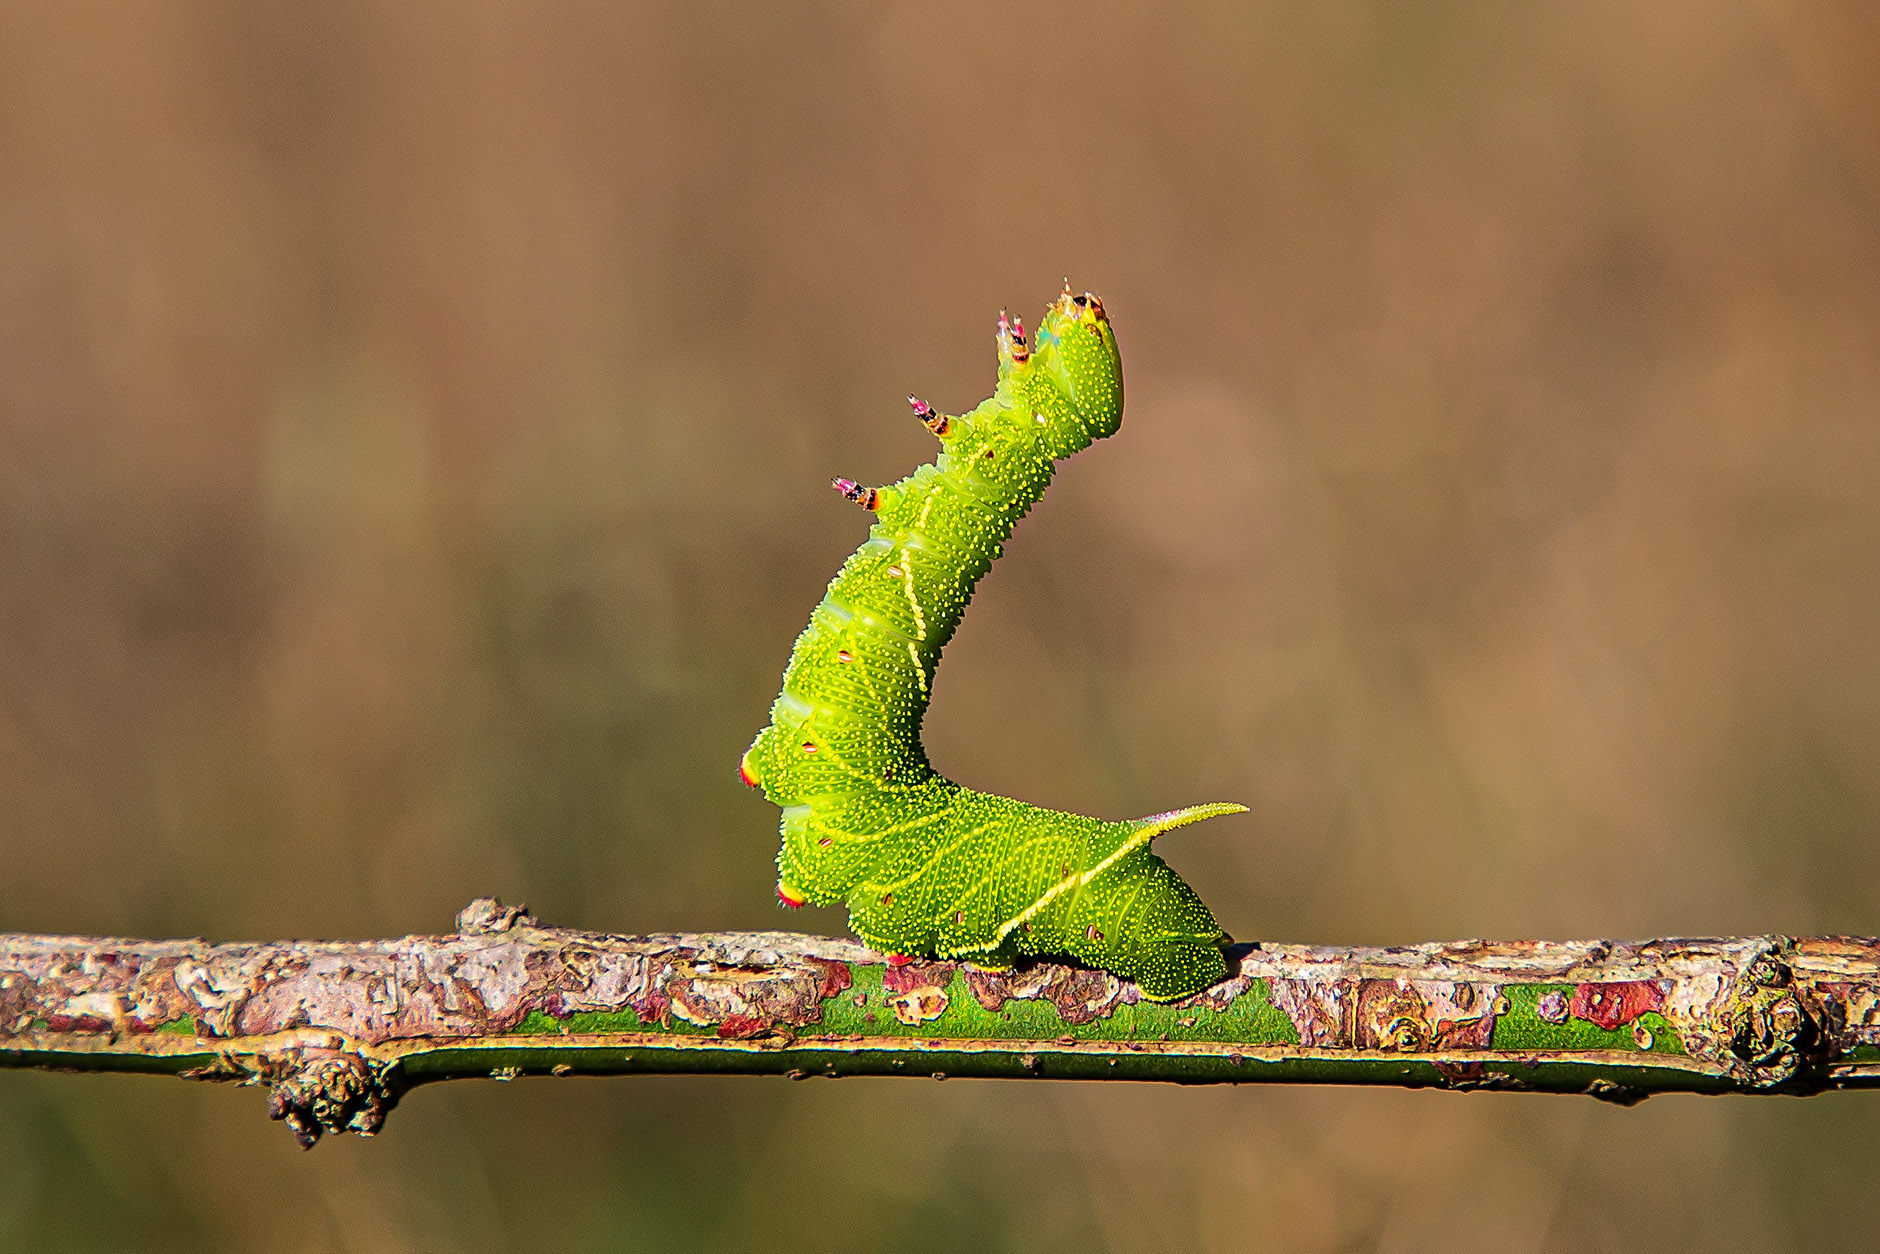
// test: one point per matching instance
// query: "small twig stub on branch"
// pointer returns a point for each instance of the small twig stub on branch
(338, 1030)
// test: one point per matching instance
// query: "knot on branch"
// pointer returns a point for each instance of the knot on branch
(1770, 1028)
(488, 915)
(314, 1091)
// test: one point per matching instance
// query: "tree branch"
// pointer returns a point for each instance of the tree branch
(338, 1030)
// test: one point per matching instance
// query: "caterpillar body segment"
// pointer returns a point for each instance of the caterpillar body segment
(925, 866)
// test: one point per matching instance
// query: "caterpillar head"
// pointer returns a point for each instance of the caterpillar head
(1074, 378)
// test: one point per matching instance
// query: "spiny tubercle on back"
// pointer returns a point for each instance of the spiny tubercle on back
(925, 866)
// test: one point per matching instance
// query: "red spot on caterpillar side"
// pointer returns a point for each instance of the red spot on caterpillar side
(825, 842)
(1092, 933)
(790, 897)
(843, 655)
(887, 899)
(809, 746)
(1616, 1003)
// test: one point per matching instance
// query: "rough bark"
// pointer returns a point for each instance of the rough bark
(338, 1030)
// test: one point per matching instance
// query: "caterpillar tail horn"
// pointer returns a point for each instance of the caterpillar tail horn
(1187, 955)
(1147, 829)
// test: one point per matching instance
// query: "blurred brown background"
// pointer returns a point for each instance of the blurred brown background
(414, 425)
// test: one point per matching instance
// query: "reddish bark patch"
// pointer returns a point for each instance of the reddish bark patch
(836, 976)
(1859, 1015)
(653, 1007)
(1082, 996)
(76, 1023)
(1316, 1008)
(1864, 949)
(1473, 1033)
(1390, 1014)
(913, 975)
(1613, 1005)
(743, 1027)
(1079, 995)
(991, 989)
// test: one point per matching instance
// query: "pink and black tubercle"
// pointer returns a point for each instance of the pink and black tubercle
(867, 498)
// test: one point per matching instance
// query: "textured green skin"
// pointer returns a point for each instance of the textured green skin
(925, 866)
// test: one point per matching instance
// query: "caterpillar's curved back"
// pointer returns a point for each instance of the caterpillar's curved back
(925, 866)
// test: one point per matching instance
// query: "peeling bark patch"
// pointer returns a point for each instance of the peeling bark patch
(489, 914)
(918, 1005)
(1391, 1015)
(836, 976)
(740, 1027)
(653, 1006)
(1316, 1008)
(1394, 1015)
(1848, 953)
(1612, 1005)
(1464, 1014)
(991, 989)
(770, 996)
(908, 976)
(1411, 1016)
(1080, 995)
(1860, 1011)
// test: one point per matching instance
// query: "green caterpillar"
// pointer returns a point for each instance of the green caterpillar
(925, 866)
